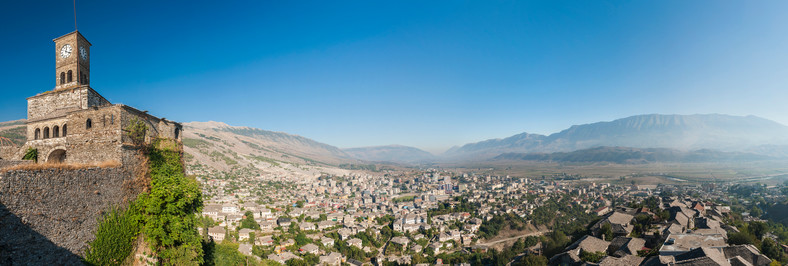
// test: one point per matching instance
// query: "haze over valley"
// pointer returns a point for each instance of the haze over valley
(387, 133)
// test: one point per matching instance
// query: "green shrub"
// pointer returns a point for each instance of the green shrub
(170, 223)
(136, 131)
(594, 257)
(115, 237)
(31, 154)
(165, 215)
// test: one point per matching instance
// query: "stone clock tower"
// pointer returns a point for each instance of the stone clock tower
(72, 61)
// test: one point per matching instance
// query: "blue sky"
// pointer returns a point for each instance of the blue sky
(429, 74)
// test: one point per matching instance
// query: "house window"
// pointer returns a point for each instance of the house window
(62, 77)
(64, 130)
(88, 124)
(69, 76)
(55, 132)
(37, 135)
(46, 132)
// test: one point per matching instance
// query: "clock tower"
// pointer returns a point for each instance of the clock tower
(72, 61)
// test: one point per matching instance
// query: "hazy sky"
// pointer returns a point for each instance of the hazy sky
(430, 74)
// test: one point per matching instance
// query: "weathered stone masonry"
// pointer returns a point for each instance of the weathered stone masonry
(63, 206)
(74, 123)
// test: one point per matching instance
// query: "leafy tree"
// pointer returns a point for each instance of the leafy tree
(311, 259)
(531, 260)
(606, 231)
(301, 239)
(741, 238)
(756, 212)
(296, 262)
(771, 249)
(759, 229)
(530, 241)
(249, 222)
(554, 243)
(170, 206)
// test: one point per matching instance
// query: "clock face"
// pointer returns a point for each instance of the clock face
(83, 53)
(65, 52)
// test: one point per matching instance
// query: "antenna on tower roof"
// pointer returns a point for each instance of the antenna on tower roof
(75, 15)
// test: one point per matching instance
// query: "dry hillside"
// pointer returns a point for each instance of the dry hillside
(213, 147)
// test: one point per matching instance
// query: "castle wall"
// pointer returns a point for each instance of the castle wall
(101, 142)
(157, 128)
(8, 153)
(9, 163)
(59, 103)
(95, 99)
(48, 123)
(55, 104)
(105, 140)
(47, 217)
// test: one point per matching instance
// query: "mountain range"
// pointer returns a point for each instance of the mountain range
(391, 153)
(680, 132)
(626, 155)
(641, 138)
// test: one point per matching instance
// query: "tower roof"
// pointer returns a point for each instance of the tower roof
(70, 33)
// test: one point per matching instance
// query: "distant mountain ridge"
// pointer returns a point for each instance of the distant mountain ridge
(391, 153)
(626, 155)
(222, 146)
(681, 132)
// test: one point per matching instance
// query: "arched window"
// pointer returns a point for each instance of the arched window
(55, 132)
(37, 135)
(177, 132)
(69, 76)
(88, 124)
(62, 77)
(46, 132)
(64, 130)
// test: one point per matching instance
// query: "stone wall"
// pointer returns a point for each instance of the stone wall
(55, 104)
(8, 153)
(101, 142)
(157, 127)
(47, 217)
(50, 124)
(9, 163)
(59, 103)
(104, 140)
